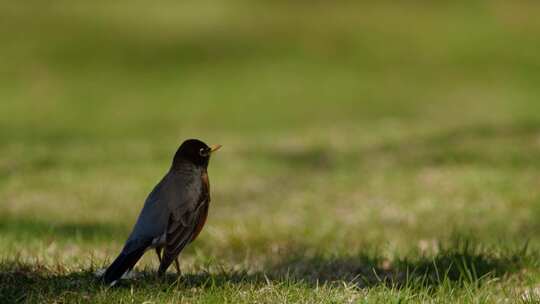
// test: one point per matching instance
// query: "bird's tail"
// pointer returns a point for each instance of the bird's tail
(125, 261)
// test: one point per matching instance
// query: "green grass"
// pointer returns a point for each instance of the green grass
(373, 152)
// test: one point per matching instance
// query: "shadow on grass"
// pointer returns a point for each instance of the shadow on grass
(459, 264)
(511, 145)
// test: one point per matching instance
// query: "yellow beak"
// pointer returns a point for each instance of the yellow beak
(214, 148)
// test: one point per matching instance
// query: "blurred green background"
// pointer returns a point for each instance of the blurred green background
(362, 124)
(134, 69)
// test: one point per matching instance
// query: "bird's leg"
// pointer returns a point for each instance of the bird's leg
(158, 252)
(177, 266)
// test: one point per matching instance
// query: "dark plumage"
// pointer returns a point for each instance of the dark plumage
(174, 212)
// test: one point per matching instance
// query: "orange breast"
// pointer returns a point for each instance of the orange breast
(203, 213)
(205, 182)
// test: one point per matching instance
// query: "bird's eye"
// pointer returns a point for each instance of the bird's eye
(203, 152)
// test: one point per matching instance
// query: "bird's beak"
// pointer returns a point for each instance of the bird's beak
(214, 148)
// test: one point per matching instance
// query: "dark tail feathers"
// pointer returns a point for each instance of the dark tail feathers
(122, 263)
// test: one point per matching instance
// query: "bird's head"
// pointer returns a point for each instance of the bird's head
(194, 151)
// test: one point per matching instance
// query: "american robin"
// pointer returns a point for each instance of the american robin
(174, 213)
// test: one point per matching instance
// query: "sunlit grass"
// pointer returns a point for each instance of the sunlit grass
(373, 152)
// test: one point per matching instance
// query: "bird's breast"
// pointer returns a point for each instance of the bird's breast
(205, 181)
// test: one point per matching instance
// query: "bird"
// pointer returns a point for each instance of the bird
(173, 214)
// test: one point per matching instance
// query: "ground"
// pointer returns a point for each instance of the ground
(372, 152)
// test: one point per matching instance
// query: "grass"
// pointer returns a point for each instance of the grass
(373, 152)
(457, 273)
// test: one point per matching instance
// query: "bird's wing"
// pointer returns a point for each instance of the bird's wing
(202, 216)
(180, 232)
(185, 220)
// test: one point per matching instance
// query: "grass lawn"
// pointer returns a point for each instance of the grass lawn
(373, 152)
